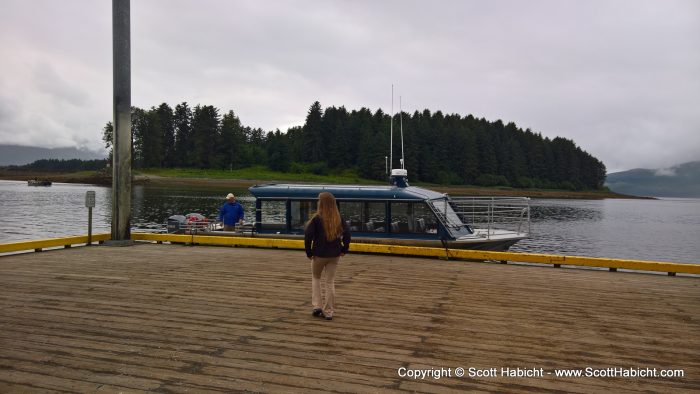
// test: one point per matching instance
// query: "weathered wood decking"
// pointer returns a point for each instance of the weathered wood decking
(170, 318)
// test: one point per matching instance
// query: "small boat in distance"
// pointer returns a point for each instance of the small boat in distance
(36, 182)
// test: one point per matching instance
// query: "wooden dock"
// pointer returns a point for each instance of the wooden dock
(174, 318)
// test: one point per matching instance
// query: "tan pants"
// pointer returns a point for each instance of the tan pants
(318, 265)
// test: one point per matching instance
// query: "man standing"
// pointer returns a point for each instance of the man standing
(231, 213)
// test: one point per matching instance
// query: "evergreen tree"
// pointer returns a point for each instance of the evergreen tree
(278, 151)
(184, 141)
(313, 146)
(167, 126)
(295, 136)
(372, 147)
(256, 153)
(331, 125)
(151, 139)
(470, 165)
(139, 123)
(232, 142)
(205, 133)
(488, 163)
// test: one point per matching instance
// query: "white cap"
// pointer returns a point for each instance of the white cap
(230, 195)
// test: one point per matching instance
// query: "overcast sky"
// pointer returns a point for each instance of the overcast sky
(620, 78)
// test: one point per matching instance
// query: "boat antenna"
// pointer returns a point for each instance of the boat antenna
(401, 120)
(391, 130)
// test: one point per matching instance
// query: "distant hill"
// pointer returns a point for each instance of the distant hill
(21, 155)
(682, 180)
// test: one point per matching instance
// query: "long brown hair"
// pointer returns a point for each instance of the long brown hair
(330, 216)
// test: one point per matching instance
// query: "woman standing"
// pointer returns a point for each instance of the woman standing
(326, 238)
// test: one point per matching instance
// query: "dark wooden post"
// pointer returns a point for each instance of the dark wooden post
(121, 166)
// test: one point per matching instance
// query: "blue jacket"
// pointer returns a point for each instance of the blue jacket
(231, 213)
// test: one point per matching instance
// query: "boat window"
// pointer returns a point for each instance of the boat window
(302, 211)
(412, 218)
(401, 217)
(374, 217)
(273, 216)
(424, 219)
(351, 211)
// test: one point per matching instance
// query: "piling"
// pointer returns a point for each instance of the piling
(121, 168)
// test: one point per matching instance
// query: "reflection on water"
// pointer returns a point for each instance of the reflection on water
(635, 229)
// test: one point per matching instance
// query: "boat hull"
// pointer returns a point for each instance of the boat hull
(499, 243)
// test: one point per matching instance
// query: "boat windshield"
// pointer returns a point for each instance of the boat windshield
(446, 214)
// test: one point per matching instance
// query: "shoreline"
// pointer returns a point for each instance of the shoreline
(96, 178)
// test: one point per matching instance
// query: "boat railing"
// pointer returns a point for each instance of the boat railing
(491, 215)
(195, 227)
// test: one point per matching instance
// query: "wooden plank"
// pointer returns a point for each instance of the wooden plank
(205, 319)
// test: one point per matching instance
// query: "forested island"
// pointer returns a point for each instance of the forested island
(337, 146)
(441, 149)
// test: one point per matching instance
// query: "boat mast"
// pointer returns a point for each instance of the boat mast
(398, 176)
(391, 131)
(401, 122)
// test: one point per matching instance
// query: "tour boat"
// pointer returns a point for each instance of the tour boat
(396, 214)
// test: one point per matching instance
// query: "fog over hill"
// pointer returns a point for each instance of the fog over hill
(21, 155)
(682, 180)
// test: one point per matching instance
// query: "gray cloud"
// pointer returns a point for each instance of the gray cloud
(620, 78)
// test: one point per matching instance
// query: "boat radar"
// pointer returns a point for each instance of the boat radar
(399, 176)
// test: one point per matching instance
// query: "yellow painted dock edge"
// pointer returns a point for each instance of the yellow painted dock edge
(638, 265)
(556, 260)
(51, 243)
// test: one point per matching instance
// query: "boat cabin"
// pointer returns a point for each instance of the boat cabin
(370, 211)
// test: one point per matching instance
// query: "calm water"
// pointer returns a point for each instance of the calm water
(667, 229)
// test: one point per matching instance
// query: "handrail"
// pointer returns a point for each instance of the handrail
(494, 214)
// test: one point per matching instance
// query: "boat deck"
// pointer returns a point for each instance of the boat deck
(174, 318)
